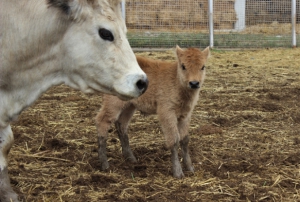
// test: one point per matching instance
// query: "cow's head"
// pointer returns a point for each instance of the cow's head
(97, 54)
(191, 66)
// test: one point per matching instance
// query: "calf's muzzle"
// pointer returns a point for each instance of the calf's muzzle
(194, 84)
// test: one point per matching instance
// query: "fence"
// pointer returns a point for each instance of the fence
(219, 23)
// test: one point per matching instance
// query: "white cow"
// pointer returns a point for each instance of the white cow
(81, 43)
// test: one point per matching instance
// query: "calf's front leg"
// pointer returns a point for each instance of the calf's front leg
(183, 127)
(185, 154)
(103, 123)
(102, 152)
(6, 141)
(121, 125)
(176, 167)
(168, 122)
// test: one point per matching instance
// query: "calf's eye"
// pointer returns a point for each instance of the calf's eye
(203, 67)
(106, 34)
(182, 66)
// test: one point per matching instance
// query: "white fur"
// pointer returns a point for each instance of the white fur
(39, 50)
(42, 46)
(6, 139)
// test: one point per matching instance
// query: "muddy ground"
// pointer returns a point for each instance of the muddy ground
(245, 140)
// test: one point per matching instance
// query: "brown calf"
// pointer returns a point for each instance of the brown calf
(172, 94)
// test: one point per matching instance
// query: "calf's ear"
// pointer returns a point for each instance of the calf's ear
(179, 51)
(206, 52)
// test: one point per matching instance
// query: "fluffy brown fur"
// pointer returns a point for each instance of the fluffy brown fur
(172, 94)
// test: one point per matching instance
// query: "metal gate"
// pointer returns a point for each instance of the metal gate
(218, 23)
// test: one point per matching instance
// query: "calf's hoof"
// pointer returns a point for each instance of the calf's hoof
(190, 169)
(9, 197)
(177, 172)
(129, 157)
(178, 175)
(104, 166)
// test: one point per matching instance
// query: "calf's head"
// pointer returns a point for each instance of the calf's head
(191, 66)
(97, 55)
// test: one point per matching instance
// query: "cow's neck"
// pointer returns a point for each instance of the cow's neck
(21, 86)
(31, 64)
(27, 86)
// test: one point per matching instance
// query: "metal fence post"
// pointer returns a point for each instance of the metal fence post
(211, 23)
(294, 43)
(240, 9)
(123, 9)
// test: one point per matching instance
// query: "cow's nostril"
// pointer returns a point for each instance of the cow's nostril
(142, 85)
(194, 84)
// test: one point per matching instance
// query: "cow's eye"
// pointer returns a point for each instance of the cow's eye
(203, 67)
(106, 34)
(182, 66)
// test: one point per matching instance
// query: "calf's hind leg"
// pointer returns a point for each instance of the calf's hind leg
(6, 141)
(121, 126)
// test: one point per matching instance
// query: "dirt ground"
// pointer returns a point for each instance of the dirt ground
(245, 140)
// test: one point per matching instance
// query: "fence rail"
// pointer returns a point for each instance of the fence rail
(218, 23)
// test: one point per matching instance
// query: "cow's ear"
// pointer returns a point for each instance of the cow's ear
(73, 8)
(63, 5)
(116, 4)
(206, 52)
(116, 7)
